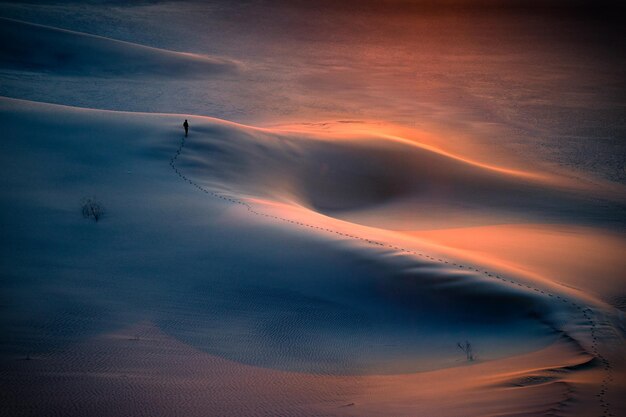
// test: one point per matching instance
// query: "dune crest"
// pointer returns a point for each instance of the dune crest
(387, 181)
(37, 48)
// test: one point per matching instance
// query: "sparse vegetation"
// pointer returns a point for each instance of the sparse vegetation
(467, 349)
(92, 209)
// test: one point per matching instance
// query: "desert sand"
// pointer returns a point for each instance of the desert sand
(281, 268)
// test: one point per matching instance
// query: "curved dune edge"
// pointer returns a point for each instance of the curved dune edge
(170, 376)
(64, 52)
(459, 146)
(350, 229)
(588, 252)
(375, 180)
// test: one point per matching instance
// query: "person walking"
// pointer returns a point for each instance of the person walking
(186, 126)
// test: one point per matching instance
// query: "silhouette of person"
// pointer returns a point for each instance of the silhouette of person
(186, 126)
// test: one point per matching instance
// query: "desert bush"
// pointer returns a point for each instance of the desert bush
(467, 349)
(92, 209)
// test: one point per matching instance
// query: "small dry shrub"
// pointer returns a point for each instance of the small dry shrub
(467, 349)
(92, 209)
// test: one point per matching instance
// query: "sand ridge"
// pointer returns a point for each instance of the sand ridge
(585, 311)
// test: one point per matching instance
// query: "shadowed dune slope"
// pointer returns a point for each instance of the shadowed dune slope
(360, 296)
(36, 48)
(321, 305)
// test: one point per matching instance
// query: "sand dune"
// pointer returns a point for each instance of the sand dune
(393, 183)
(37, 48)
(243, 258)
